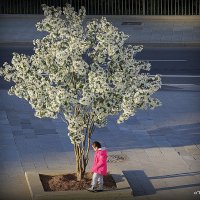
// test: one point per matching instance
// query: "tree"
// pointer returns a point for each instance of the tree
(83, 75)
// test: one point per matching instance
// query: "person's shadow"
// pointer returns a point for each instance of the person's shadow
(117, 179)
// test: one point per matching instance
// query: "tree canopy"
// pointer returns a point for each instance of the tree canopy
(86, 73)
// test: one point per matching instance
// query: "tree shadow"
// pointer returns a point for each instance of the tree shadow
(166, 136)
(141, 184)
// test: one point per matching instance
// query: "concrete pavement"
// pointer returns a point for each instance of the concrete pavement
(147, 30)
(162, 147)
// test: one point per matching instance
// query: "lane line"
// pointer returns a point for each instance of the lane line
(179, 76)
(180, 84)
(167, 60)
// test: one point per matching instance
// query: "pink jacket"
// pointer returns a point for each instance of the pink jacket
(100, 162)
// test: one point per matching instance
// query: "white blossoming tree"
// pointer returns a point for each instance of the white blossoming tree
(84, 74)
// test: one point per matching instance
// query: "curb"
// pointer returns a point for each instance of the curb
(123, 191)
(165, 44)
(131, 17)
(145, 44)
(22, 43)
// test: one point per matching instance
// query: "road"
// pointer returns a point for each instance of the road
(177, 66)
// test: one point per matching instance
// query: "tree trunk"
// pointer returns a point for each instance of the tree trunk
(82, 152)
(79, 163)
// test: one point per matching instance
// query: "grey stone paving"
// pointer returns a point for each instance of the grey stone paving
(162, 147)
(150, 30)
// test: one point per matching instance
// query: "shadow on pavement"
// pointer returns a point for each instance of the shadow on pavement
(141, 184)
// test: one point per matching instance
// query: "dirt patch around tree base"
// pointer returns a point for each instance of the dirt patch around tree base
(66, 182)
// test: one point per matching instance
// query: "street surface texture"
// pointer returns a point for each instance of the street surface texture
(161, 146)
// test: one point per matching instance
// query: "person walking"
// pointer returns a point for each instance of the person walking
(99, 167)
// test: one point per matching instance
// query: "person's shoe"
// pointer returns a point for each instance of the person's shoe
(91, 189)
(99, 189)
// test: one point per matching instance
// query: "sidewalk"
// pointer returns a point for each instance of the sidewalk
(147, 30)
(161, 147)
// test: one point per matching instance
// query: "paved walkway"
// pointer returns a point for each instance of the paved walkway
(162, 146)
(154, 30)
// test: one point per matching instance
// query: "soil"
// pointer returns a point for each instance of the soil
(66, 182)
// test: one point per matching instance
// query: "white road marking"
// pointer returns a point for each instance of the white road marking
(179, 84)
(166, 60)
(179, 76)
(183, 86)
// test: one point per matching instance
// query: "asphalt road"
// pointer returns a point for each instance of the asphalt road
(175, 65)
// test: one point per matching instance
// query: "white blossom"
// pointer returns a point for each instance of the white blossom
(87, 74)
